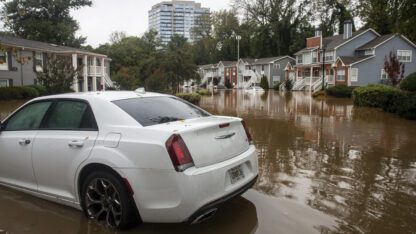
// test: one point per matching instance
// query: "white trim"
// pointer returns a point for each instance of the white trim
(388, 39)
(383, 72)
(352, 74)
(352, 38)
(405, 51)
(407, 39)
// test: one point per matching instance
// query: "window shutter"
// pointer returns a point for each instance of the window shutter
(34, 61)
(9, 60)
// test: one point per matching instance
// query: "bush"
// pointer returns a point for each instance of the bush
(193, 98)
(340, 91)
(204, 92)
(318, 94)
(388, 98)
(373, 95)
(288, 85)
(18, 92)
(277, 86)
(409, 83)
(264, 84)
(41, 90)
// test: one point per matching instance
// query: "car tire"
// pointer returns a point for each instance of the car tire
(105, 197)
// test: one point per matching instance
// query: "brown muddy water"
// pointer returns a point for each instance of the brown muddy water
(325, 167)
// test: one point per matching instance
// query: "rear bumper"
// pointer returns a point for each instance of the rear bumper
(167, 196)
(217, 203)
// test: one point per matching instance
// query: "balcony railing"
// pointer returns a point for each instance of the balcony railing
(97, 69)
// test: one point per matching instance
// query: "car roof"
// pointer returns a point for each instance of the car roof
(104, 95)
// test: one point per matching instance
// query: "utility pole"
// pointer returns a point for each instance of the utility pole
(238, 37)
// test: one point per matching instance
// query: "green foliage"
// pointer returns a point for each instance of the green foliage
(17, 92)
(289, 85)
(57, 76)
(340, 91)
(193, 98)
(388, 98)
(204, 92)
(44, 20)
(409, 83)
(41, 90)
(373, 95)
(276, 87)
(264, 83)
(319, 94)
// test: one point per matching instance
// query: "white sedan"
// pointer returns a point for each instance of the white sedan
(127, 157)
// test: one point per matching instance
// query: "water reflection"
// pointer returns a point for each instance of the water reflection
(358, 165)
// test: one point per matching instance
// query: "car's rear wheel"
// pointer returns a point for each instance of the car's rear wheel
(105, 198)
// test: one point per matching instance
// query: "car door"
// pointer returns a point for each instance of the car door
(16, 142)
(65, 139)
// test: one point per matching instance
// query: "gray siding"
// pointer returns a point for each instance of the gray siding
(280, 70)
(349, 48)
(369, 72)
(15, 74)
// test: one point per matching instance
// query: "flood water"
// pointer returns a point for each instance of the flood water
(325, 167)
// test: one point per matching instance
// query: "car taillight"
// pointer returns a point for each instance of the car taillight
(179, 153)
(250, 140)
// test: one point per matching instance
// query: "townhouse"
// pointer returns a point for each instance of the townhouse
(21, 60)
(352, 59)
(246, 72)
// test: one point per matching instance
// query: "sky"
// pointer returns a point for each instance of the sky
(105, 16)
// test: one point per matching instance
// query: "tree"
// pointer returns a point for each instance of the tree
(44, 20)
(394, 69)
(58, 75)
(264, 84)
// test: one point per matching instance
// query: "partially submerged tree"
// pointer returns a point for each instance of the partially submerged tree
(394, 69)
(58, 75)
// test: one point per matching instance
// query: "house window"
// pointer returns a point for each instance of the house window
(354, 74)
(4, 65)
(329, 56)
(314, 57)
(300, 59)
(276, 66)
(369, 52)
(404, 56)
(341, 75)
(4, 83)
(39, 61)
(384, 75)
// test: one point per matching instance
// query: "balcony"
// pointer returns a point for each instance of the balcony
(95, 70)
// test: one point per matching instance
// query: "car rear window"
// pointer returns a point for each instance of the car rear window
(158, 110)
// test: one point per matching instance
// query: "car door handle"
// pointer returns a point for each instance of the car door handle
(24, 141)
(76, 144)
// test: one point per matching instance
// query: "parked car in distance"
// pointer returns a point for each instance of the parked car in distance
(127, 157)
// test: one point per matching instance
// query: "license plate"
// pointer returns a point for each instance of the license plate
(236, 174)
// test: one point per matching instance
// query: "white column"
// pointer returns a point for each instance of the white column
(103, 73)
(75, 66)
(85, 73)
(310, 82)
(94, 74)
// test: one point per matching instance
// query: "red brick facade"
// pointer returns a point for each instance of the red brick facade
(230, 73)
(313, 42)
(340, 66)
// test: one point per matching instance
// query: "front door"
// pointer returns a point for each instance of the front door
(16, 142)
(63, 142)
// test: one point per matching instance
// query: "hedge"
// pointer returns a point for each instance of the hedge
(18, 92)
(204, 92)
(340, 91)
(409, 83)
(387, 98)
(193, 98)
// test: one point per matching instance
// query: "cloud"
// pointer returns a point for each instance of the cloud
(106, 16)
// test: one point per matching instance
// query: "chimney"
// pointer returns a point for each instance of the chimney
(318, 32)
(347, 29)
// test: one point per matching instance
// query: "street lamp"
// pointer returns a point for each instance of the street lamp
(238, 37)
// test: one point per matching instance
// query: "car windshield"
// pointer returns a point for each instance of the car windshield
(157, 110)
